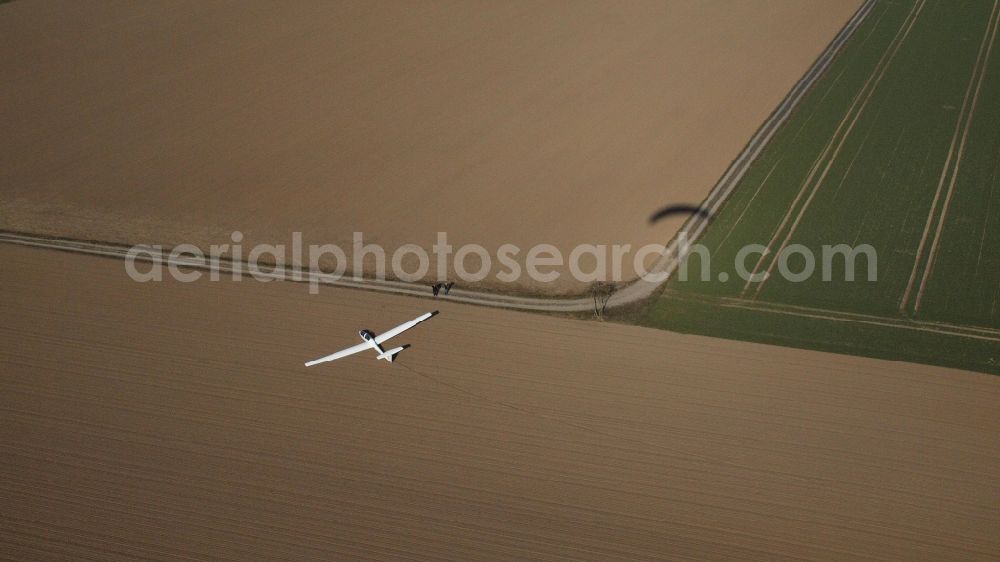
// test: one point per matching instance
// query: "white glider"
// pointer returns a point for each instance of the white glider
(371, 341)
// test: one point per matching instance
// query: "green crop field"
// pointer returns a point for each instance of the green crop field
(896, 147)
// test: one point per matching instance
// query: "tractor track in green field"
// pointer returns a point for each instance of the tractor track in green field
(951, 172)
(830, 153)
(943, 328)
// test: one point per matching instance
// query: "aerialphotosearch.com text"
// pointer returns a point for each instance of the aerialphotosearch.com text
(473, 263)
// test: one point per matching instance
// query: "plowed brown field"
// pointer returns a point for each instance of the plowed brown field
(176, 420)
(496, 122)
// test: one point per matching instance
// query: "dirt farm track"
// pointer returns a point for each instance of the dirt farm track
(175, 421)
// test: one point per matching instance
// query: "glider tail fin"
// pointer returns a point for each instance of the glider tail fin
(390, 354)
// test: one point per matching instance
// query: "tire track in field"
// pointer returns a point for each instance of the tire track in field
(945, 329)
(986, 223)
(968, 111)
(763, 182)
(832, 149)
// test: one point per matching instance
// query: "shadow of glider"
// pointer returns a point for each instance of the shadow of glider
(676, 210)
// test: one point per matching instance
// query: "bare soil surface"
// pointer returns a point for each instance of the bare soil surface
(171, 420)
(513, 122)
